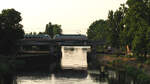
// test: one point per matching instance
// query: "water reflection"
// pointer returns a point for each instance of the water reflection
(75, 77)
(74, 65)
(74, 71)
(112, 77)
(74, 57)
(70, 73)
(62, 77)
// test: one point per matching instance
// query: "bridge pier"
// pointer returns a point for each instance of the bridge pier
(92, 59)
(93, 49)
(51, 49)
(55, 57)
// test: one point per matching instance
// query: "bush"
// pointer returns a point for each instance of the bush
(117, 61)
(147, 61)
(4, 68)
(129, 56)
(139, 65)
(143, 77)
(133, 71)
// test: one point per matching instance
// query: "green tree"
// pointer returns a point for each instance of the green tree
(10, 31)
(116, 27)
(137, 26)
(53, 29)
(41, 33)
(31, 33)
(57, 29)
(34, 33)
(98, 30)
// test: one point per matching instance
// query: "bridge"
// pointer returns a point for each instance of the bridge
(33, 43)
(41, 49)
(42, 45)
(60, 40)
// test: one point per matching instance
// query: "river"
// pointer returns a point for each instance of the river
(74, 71)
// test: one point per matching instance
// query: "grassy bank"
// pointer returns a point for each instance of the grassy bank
(138, 70)
(7, 70)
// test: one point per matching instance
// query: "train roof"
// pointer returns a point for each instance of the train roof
(70, 36)
(39, 36)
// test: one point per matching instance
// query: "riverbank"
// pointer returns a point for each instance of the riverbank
(136, 69)
(7, 69)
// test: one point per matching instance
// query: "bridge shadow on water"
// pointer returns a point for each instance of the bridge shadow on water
(70, 73)
(67, 75)
(47, 68)
(59, 73)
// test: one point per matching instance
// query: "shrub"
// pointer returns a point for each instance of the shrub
(4, 68)
(147, 61)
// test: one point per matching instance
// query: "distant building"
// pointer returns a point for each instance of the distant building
(70, 37)
(37, 37)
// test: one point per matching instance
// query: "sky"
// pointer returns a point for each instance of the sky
(74, 16)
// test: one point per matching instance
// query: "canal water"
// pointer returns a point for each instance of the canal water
(74, 71)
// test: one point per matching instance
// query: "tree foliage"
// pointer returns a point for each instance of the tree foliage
(137, 26)
(53, 29)
(98, 30)
(10, 30)
(128, 25)
(116, 26)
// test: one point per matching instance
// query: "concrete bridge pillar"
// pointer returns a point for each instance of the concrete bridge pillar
(51, 49)
(55, 56)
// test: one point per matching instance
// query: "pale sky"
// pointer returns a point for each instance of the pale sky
(75, 16)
